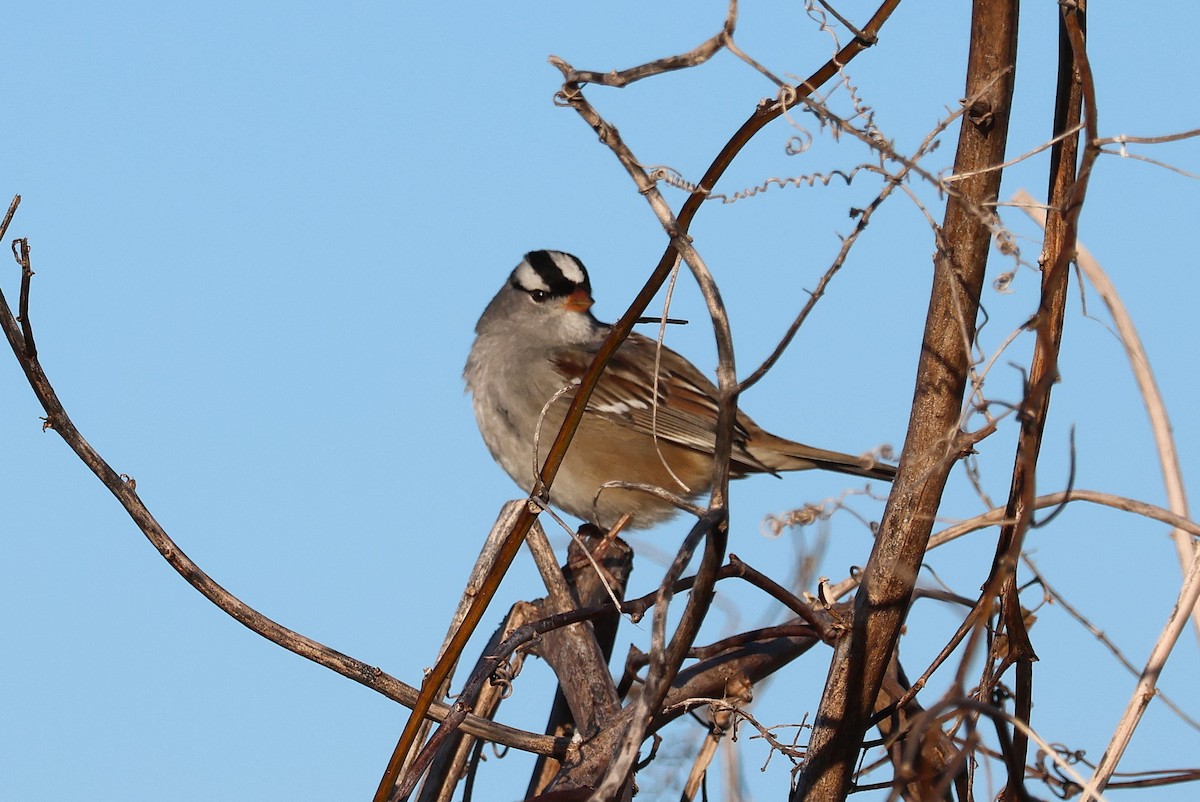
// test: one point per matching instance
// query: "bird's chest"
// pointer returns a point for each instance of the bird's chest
(510, 401)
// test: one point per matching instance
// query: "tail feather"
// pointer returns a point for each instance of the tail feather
(779, 454)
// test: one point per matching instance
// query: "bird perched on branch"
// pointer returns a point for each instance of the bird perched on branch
(650, 421)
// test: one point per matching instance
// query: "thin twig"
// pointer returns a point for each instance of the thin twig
(849, 26)
(21, 251)
(8, 216)
(1074, 129)
(1123, 139)
(1138, 157)
(760, 580)
(693, 58)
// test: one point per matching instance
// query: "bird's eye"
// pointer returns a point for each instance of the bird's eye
(539, 295)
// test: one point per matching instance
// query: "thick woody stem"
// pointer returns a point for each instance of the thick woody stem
(861, 659)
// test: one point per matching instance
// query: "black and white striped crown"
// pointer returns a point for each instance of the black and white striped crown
(554, 273)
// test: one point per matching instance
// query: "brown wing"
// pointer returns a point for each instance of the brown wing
(681, 408)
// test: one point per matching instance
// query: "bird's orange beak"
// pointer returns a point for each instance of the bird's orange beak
(578, 301)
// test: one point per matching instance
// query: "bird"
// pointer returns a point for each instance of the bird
(651, 419)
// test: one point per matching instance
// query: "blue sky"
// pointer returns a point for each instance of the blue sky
(262, 234)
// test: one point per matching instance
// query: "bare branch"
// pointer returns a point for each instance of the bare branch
(123, 488)
(8, 216)
(1124, 139)
(622, 78)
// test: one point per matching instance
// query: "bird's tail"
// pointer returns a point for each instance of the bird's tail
(779, 454)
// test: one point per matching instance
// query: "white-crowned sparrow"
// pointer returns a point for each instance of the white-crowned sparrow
(538, 336)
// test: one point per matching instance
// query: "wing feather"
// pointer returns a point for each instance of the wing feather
(680, 409)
